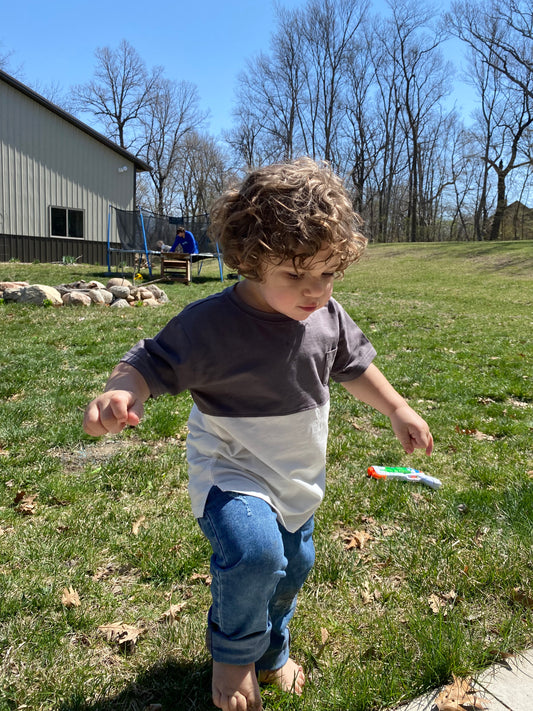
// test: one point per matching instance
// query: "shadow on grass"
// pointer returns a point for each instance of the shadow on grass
(163, 687)
(104, 276)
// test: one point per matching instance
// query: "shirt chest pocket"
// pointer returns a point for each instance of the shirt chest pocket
(329, 359)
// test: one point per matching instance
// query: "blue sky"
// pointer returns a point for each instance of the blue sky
(206, 42)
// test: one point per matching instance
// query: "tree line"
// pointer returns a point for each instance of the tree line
(368, 93)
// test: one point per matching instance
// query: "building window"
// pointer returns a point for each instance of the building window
(65, 222)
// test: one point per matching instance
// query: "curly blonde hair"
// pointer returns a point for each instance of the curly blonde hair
(287, 211)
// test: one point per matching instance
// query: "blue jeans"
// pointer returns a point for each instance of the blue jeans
(258, 568)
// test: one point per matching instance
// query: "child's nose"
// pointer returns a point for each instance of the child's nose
(314, 287)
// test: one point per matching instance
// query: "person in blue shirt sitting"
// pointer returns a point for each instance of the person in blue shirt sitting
(186, 241)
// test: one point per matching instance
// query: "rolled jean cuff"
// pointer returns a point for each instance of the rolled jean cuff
(237, 651)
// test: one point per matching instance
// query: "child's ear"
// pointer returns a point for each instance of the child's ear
(245, 270)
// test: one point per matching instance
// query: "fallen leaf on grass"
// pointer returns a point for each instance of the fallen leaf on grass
(522, 597)
(476, 434)
(25, 504)
(368, 596)
(324, 639)
(124, 635)
(137, 525)
(70, 598)
(460, 696)
(502, 656)
(206, 579)
(356, 539)
(440, 603)
(172, 613)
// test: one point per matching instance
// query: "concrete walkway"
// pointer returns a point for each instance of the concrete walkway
(507, 686)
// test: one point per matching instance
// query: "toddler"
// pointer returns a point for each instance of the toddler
(257, 358)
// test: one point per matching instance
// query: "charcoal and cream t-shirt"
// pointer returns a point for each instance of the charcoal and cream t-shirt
(259, 382)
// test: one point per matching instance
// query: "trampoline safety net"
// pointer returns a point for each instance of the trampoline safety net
(139, 232)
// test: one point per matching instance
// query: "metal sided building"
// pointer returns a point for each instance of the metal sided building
(58, 178)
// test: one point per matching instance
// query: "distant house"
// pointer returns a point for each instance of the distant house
(58, 178)
(517, 222)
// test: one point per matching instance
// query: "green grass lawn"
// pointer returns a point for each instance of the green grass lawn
(410, 585)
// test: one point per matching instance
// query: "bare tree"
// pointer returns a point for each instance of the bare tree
(172, 113)
(245, 139)
(329, 28)
(385, 198)
(202, 174)
(501, 32)
(119, 93)
(501, 45)
(5, 57)
(268, 97)
(424, 82)
(361, 124)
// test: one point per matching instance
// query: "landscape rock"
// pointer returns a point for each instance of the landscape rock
(96, 296)
(4, 285)
(120, 304)
(38, 294)
(117, 281)
(156, 290)
(76, 298)
(150, 302)
(118, 293)
(103, 294)
(12, 294)
(143, 293)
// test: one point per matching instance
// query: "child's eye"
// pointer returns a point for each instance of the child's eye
(292, 275)
(328, 275)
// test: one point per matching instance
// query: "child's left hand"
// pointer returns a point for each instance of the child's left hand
(412, 431)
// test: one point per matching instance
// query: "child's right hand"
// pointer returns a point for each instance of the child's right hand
(112, 411)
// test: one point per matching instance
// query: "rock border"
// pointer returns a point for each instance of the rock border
(117, 293)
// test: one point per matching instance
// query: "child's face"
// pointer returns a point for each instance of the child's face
(295, 293)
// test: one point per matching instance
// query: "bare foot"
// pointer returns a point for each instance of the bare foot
(235, 688)
(289, 677)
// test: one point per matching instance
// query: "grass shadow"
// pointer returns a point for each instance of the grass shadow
(165, 686)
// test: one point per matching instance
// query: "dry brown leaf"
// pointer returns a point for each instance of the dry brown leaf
(137, 525)
(476, 434)
(522, 597)
(324, 639)
(206, 579)
(436, 603)
(439, 603)
(25, 504)
(356, 539)
(172, 613)
(460, 696)
(482, 436)
(121, 633)
(366, 597)
(70, 598)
